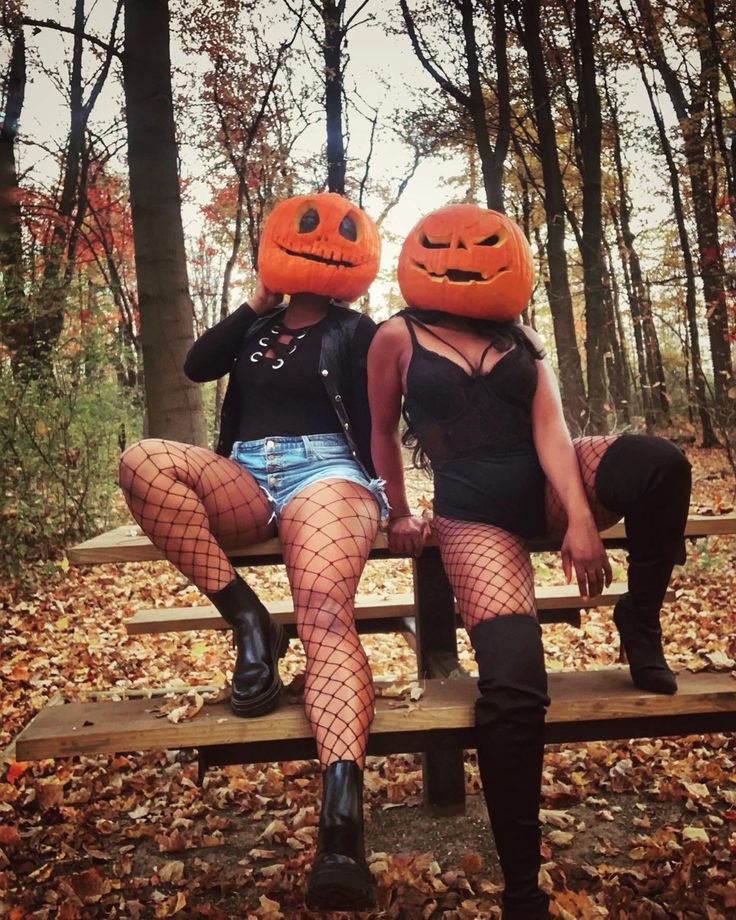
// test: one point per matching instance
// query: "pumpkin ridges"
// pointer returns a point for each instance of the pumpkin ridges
(294, 273)
(507, 264)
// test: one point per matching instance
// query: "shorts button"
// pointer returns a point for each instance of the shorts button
(270, 444)
(324, 372)
(271, 457)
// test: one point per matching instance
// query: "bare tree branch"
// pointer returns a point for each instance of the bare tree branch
(58, 27)
(441, 79)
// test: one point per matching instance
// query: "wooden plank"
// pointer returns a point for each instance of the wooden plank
(585, 705)
(550, 599)
(128, 544)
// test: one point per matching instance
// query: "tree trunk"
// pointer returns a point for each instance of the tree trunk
(645, 388)
(473, 102)
(334, 36)
(13, 322)
(710, 439)
(589, 109)
(570, 370)
(174, 404)
(613, 350)
(641, 309)
(617, 334)
(491, 161)
(690, 117)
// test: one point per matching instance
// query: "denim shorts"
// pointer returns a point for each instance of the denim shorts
(282, 467)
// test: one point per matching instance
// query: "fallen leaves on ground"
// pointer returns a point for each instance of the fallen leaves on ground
(642, 829)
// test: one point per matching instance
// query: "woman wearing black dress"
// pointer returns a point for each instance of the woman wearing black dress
(293, 459)
(482, 404)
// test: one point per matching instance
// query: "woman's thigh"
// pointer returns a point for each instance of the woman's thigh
(327, 531)
(589, 451)
(489, 569)
(177, 480)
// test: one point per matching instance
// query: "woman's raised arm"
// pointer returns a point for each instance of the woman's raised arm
(214, 352)
(582, 547)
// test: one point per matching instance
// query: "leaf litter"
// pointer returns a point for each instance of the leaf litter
(631, 829)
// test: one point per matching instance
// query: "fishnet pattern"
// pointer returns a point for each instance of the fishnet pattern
(191, 503)
(589, 452)
(489, 569)
(327, 532)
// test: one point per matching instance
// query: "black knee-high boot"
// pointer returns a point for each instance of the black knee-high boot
(509, 717)
(647, 480)
(341, 879)
(260, 643)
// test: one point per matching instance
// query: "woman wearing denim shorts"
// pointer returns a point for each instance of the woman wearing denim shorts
(293, 459)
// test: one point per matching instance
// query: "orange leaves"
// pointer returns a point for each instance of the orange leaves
(9, 836)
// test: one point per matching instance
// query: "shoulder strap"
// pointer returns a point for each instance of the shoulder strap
(412, 319)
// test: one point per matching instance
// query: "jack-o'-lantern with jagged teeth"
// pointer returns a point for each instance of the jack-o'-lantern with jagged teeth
(467, 260)
(320, 244)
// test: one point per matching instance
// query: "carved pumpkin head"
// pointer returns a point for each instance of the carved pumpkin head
(467, 260)
(320, 244)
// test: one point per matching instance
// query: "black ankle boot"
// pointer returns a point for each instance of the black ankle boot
(341, 879)
(260, 642)
(641, 639)
(648, 481)
(509, 719)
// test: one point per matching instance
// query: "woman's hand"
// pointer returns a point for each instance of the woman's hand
(264, 300)
(583, 550)
(406, 534)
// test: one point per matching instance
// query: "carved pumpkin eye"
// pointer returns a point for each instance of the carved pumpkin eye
(428, 244)
(489, 240)
(348, 229)
(309, 221)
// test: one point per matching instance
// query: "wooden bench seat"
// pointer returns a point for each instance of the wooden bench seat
(586, 706)
(556, 604)
(128, 544)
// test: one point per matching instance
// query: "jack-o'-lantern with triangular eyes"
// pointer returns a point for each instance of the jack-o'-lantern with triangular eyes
(467, 260)
(320, 244)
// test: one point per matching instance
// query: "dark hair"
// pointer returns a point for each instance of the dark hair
(502, 335)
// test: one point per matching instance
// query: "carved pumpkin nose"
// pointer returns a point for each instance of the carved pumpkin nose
(321, 244)
(467, 260)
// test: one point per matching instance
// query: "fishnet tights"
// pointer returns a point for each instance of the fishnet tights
(191, 503)
(489, 569)
(589, 451)
(327, 532)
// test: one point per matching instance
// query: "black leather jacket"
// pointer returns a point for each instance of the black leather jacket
(342, 366)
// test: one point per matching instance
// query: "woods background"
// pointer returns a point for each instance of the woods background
(143, 143)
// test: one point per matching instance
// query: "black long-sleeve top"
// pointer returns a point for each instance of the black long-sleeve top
(346, 336)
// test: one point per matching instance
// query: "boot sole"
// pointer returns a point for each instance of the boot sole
(347, 886)
(267, 701)
(338, 898)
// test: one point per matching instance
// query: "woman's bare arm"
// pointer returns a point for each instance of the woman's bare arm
(582, 548)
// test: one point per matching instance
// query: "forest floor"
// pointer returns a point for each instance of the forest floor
(637, 829)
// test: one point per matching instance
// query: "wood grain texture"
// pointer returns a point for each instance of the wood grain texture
(184, 619)
(128, 544)
(585, 704)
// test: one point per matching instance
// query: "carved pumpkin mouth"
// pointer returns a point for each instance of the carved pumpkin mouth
(458, 276)
(313, 257)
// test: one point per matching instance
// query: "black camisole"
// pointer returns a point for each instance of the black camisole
(476, 429)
